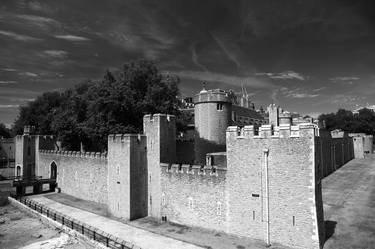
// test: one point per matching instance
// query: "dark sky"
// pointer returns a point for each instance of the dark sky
(307, 56)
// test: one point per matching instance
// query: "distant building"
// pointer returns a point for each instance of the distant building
(7, 152)
(277, 116)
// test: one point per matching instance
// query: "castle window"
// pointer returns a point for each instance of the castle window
(219, 106)
(191, 203)
(218, 208)
(163, 200)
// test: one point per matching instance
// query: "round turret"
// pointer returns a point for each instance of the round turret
(212, 116)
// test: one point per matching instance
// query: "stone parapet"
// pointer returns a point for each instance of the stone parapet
(204, 170)
(74, 154)
(268, 131)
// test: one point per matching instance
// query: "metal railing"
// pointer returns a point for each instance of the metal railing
(89, 231)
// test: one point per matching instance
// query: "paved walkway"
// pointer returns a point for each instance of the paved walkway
(349, 205)
(139, 237)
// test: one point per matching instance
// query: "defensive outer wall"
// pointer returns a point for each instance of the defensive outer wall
(270, 189)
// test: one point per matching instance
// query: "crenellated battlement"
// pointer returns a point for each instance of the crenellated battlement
(97, 155)
(268, 131)
(203, 170)
(121, 138)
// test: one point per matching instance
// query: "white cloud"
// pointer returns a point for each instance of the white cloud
(56, 53)
(72, 38)
(286, 75)
(227, 52)
(19, 37)
(224, 78)
(29, 74)
(9, 69)
(9, 106)
(302, 95)
(8, 82)
(297, 93)
(345, 79)
(319, 89)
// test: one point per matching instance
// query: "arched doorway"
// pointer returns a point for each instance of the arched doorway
(18, 171)
(53, 170)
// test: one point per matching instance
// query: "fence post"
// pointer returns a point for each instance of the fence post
(107, 240)
(63, 220)
(83, 229)
(94, 235)
(54, 216)
(72, 224)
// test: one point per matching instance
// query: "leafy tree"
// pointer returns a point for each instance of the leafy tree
(363, 122)
(92, 110)
(4, 131)
(39, 113)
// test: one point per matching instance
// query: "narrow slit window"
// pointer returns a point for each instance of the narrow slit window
(219, 106)
(218, 208)
(163, 200)
(294, 220)
(191, 203)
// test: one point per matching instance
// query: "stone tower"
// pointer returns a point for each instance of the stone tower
(280, 190)
(160, 130)
(127, 176)
(273, 114)
(212, 112)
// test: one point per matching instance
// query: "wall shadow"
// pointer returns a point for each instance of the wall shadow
(330, 227)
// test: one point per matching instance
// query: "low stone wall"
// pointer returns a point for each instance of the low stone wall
(194, 196)
(82, 175)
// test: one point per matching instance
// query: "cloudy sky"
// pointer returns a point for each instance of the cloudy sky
(307, 56)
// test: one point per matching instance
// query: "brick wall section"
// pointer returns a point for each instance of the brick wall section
(82, 175)
(358, 143)
(333, 153)
(294, 193)
(43, 143)
(127, 176)
(160, 130)
(194, 196)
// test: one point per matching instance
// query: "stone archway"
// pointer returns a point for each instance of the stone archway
(18, 171)
(53, 170)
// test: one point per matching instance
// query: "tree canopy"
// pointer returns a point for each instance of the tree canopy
(4, 131)
(91, 110)
(362, 122)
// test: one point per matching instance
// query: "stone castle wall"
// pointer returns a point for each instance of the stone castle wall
(82, 175)
(294, 189)
(127, 176)
(280, 168)
(194, 196)
(333, 153)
